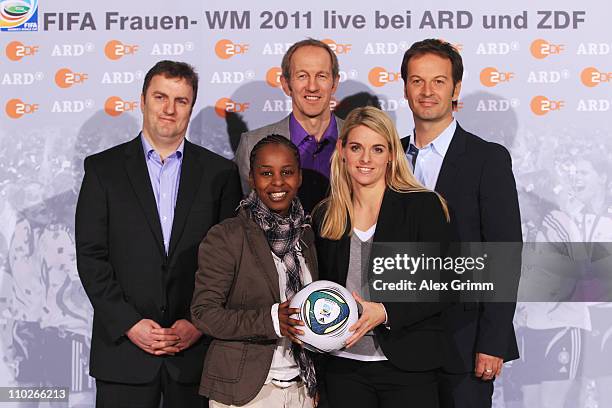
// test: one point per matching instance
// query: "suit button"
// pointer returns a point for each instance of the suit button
(163, 309)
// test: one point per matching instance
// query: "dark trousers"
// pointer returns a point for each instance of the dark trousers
(465, 391)
(378, 384)
(149, 395)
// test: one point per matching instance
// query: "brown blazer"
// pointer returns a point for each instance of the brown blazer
(235, 286)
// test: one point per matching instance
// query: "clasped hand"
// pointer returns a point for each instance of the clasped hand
(154, 339)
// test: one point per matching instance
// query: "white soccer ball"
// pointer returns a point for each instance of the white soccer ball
(327, 310)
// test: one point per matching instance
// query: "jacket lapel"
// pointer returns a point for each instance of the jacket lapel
(339, 124)
(138, 175)
(405, 143)
(282, 128)
(385, 225)
(308, 252)
(191, 175)
(263, 255)
(450, 164)
(389, 216)
(342, 254)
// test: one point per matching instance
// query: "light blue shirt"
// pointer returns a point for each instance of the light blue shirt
(429, 158)
(165, 178)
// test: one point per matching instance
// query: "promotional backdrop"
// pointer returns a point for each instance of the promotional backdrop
(537, 80)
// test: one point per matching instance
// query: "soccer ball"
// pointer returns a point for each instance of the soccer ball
(327, 310)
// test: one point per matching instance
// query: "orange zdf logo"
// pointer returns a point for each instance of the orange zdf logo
(115, 106)
(16, 50)
(541, 105)
(541, 49)
(115, 49)
(225, 105)
(492, 76)
(16, 108)
(591, 77)
(65, 78)
(226, 49)
(338, 48)
(379, 76)
(273, 77)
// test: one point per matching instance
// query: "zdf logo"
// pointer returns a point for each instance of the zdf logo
(541, 105)
(16, 108)
(273, 77)
(337, 48)
(16, 50)
(491, 76)
(115, 106)
(541, 49)
(65, 78)
(379, 76)
(591, 77)
(226, 49)
(225, 105)
(115, 49)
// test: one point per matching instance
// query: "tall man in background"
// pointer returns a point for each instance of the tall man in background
(310, 75)
(475, 177)
(143, 208)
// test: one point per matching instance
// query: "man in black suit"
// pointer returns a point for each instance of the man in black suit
(475, 177)
(143, 208)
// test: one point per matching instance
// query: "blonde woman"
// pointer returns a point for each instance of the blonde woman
(395, 351)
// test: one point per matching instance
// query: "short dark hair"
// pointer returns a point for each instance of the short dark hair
(173, 69)
(276, 140)
(438, 47)
(309, 42)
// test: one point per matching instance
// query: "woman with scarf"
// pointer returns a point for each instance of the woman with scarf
(249, 267)
(392, 357)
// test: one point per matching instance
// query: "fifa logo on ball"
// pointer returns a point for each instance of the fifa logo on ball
(325, 311)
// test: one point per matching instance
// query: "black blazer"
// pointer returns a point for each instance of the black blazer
(415, 337)
(477, 182)
(122, 261)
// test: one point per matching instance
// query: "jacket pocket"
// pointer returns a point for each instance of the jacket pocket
(225, 361)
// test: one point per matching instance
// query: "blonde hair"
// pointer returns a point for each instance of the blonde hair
(339, 204)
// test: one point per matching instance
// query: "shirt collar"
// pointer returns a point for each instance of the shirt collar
(440, 144)
(149, 150)
(298, 133)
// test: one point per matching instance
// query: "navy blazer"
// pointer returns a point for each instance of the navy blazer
(477, 182)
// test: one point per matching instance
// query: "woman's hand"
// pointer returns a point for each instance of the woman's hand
(372, 315)
(287, 324)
